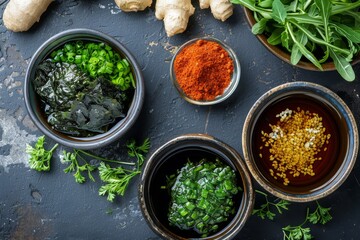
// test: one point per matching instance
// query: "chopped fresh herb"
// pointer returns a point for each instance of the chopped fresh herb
(97, 59)
(266, 209)
(39, 156)
(202, 196)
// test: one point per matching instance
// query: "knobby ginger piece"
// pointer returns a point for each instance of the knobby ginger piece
(175, 14)
(133, 5)
(20, 15)
(221, 9)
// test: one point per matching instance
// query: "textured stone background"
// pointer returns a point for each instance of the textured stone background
(52, 206)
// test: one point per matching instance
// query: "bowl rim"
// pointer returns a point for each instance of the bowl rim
(120, 127)
(344, 170)
(248, 198)
(285, 56)
(234, 80)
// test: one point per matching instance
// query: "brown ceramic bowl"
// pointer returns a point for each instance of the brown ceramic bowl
(284, 55)
(338, 155)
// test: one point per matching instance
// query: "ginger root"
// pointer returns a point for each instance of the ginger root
(221, 9)
(133, 5)
(20, 15)
(175, 14)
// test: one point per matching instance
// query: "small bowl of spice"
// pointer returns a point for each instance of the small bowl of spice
(205, 71)
(196, 187)
(83, 88)
(300, 141)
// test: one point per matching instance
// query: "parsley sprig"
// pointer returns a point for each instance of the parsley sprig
(117, 179)
(320, 215)
(74, 166)
(39, 156)
(138, 151)
(266, 210)
(78, 164)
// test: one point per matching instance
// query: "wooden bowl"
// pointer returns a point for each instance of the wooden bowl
(285, 55)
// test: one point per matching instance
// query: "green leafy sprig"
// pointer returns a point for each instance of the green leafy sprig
(74, 158)
(266, 210)
(320, 215)
(117, 179)
(138, 151)
(317, 30)
(39, 156)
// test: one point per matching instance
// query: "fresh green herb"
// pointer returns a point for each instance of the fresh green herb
(266, 209)
(79, 155)
(202, 196)
(39, 157)
(319, 30)
(72, 158)
(297, 233)
(97, 59)
(138, 151)
(320, 215)
(117, 179)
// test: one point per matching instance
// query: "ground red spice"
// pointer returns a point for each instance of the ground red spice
(203, 70)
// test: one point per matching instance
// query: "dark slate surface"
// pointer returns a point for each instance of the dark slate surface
(52, 206)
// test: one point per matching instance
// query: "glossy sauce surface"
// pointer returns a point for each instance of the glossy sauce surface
(336, 147)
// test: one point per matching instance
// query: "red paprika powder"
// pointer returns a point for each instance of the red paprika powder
(203, 70)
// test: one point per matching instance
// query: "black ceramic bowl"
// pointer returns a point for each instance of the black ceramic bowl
(33, 103)
(173, 155)
(338, 155)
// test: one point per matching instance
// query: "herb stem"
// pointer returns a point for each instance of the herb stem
(340, 8)
(104, 159)
(54, 147)
(318, 40)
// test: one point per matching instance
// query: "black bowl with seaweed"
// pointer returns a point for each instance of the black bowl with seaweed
(83, 89)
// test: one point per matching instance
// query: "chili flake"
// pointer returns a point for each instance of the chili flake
(203, 70)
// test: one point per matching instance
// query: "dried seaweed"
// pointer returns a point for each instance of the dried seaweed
(76, 104)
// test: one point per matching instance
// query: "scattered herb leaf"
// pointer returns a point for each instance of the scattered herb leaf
(320, 215)
(138, 151)
(266, 210)
(116, 179)
(39, 156)
(72, 158)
